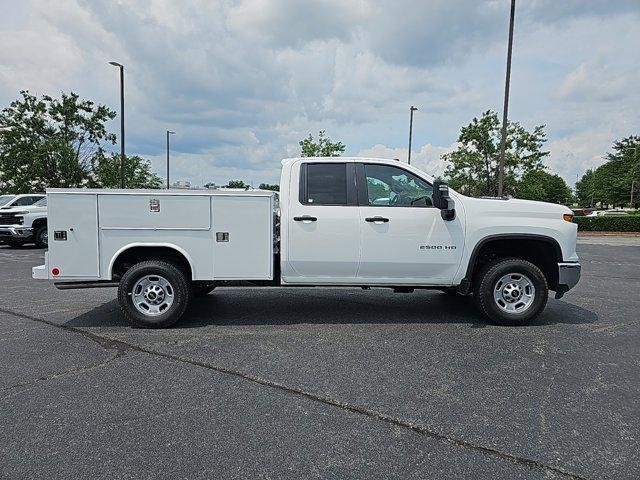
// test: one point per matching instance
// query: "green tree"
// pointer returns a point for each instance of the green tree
(545, 187)
(106, 172)
(610, 184)
(585, 189)
(268, 186)
(324, 147)
(48, 142)
(236, 184)
(473, 167)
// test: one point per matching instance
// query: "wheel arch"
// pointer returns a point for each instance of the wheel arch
(39, 222)
(140, 251)
(500, 243)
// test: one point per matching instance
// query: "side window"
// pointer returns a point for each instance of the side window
(395, 187)
(23, 201)
(326, 184)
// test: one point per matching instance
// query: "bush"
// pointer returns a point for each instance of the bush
(622, 223)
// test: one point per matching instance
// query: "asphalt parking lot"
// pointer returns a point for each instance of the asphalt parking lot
(324, 383)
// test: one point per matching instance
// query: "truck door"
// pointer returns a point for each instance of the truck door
(404, 239)
(322, 224)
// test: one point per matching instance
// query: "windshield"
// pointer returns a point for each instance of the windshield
(4, 199)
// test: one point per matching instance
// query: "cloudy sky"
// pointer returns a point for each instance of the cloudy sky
(241, 82)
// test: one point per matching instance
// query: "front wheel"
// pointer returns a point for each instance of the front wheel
(153, 294)
(41, 237)
(511, 291)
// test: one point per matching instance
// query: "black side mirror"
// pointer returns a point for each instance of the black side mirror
(443, 201)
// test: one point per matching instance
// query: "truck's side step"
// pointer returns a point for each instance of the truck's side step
(76, 285)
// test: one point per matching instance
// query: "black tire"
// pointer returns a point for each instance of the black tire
(488, 282)
(41, 237)
(178, 288)
(201, 289)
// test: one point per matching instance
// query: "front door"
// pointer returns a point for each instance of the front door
(404, 239)
(323, 224)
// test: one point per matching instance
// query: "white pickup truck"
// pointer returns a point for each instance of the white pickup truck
(337, 222)
(23, 219)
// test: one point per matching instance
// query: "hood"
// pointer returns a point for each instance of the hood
(23, 208)
(516, 207)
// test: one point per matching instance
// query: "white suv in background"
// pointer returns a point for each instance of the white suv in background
(23, 219)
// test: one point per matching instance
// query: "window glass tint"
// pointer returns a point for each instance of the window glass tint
(394, 187)
(23, 201)
(326, 184)
(4, 199)
(41, 203)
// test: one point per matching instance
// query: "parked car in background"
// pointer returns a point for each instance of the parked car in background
(601, 213)
(23, 224)
(582, 212)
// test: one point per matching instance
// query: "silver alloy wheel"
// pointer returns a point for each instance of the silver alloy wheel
(44, 236)
(152, 295)
(514, 293)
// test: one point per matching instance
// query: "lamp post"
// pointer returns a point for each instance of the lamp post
(411, 110)
(121, 67)
(169, 132)
(503, 142)
(633, 180)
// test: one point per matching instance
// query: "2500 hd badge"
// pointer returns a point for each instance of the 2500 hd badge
(438, 247)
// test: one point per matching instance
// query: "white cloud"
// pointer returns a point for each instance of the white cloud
(427, 158)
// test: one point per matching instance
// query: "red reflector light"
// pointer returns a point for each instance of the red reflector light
(55, 271)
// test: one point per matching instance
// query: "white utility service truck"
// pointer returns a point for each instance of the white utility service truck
(339, 221)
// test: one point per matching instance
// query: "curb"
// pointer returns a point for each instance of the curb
(609, 234)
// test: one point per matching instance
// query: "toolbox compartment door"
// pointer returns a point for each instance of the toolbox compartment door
(154, 212)
(243, 237)
(73, 235)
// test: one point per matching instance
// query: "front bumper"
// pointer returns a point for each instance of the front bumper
(41, 272)
(15, 231)
(568, 277)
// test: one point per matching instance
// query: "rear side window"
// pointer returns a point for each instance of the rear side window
(324, 184)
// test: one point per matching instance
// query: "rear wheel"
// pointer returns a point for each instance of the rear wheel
(41, 237)
(511, 291)
(154, 294)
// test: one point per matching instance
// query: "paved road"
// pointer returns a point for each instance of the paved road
(326, 383)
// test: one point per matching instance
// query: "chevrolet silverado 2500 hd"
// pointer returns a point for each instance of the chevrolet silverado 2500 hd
(25, 224)
(360, 222)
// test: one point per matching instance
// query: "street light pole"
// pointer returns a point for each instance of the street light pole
(503, 142)
(121, 67)
(411, 110)
(633, 180)
(169, 132)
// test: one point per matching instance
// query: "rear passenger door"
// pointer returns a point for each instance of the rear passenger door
(323, 224)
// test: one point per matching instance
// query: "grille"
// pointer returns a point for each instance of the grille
(9, 219)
